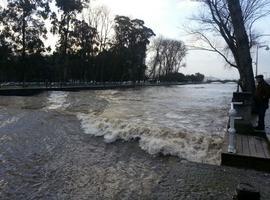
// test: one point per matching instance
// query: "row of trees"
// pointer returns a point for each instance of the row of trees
(88, 50)
(91, 47)
(179, 77)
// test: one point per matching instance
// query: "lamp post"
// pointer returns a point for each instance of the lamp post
(257, 55)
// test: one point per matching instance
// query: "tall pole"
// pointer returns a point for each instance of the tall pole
(257, 55)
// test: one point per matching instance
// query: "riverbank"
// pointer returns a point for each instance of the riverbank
(33, 89)
(46, 155)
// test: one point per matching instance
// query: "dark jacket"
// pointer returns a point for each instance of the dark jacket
(262, 94)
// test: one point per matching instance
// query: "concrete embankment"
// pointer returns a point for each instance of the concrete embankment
(37, 90)
(25, 91)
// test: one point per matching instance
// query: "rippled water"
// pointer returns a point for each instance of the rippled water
(97, 145)
(187, 121)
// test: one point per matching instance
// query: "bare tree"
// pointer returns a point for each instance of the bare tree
(234, 21)
(167, 56)
(155, 61)
(100, 18)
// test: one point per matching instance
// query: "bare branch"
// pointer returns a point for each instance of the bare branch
(216, 19)
(213, 48)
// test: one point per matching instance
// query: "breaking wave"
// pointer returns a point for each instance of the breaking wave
(57, 100)
(204, 148)
(184, 121)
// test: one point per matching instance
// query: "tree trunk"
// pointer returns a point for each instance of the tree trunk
(243, 60)
(23, 48)
(65, 56)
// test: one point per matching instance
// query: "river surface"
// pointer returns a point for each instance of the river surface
(187, 121)
(109, 144)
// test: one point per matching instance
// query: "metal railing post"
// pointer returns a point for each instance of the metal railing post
(231, 130)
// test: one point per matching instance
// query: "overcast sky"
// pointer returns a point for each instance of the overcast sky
(168, 17)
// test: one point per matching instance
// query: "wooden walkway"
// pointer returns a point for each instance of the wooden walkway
(252, 151)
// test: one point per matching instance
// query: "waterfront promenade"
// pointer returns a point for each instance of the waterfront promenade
(35, 88)
(31, 89)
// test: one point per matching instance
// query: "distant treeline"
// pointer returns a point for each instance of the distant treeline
(179, 77)
(90, 47)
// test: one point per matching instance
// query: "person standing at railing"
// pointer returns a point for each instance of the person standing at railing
(262, 95)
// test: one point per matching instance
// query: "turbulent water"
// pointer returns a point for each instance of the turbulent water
(187, 121)
(98, 145)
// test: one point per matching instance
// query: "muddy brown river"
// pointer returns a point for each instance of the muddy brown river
(148, 143)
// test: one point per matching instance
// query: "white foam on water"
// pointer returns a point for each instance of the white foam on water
(111, 137)
(173, 115)
(204, 148)
(87, 126)
(57, 100)
(180, 121)
(196, 148)
(8, 121)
